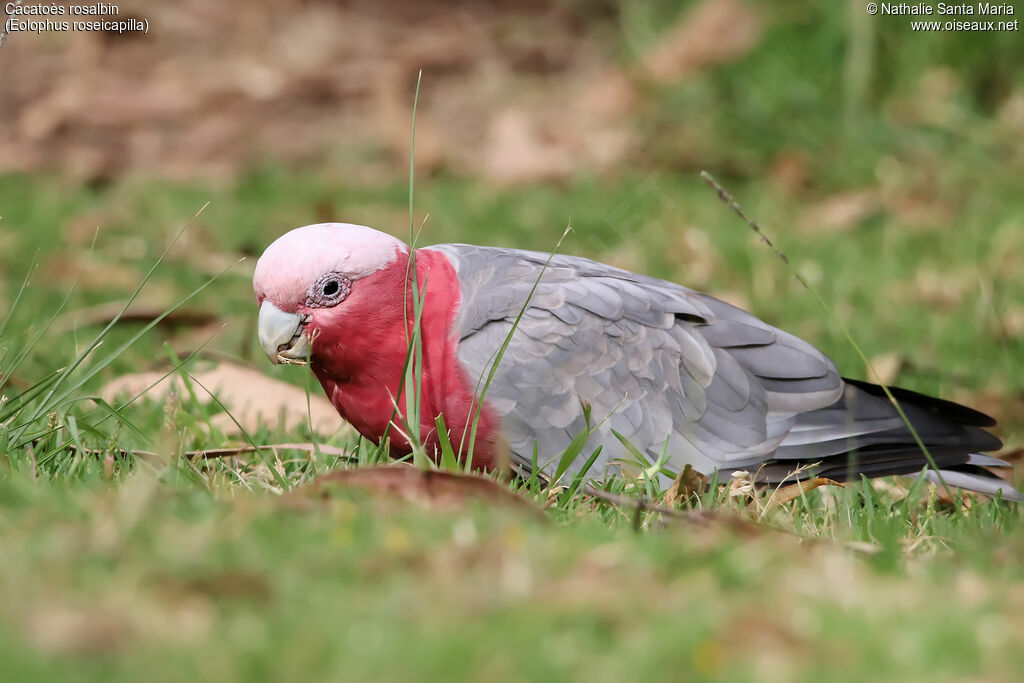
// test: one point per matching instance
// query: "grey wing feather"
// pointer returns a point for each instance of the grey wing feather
(657, 363)
(670, 368)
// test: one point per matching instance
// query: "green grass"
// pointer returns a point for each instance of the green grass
(116, 570)
(158, 567)
(160, 580)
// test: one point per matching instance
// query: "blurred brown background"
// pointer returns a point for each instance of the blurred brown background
(514, 91)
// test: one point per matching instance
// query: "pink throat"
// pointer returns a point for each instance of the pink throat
(359, 354)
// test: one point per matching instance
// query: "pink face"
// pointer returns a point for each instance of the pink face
(311, 269)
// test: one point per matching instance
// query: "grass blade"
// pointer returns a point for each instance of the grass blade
(449, 461)
(574, 448)
(580, 476)
(103, 333)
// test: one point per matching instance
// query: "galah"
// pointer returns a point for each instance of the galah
(683, 378)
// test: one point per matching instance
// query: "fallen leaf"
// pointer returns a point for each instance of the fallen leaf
(1011, 113)
(15, 382)
(863, 547)
(608, 94)
(60, 629)
(741, 485)
(688, 482)
(217, 585)
(104, 314)
(253, 398)
(391, 120)
(949, 496)
(1013, 322)
(1015, 456)
(93, 272)
(765, 631)
(235, 100)
(1006, 407)
(793, 491)
(789, 173)
(946, 289)
(885, 368)
(516, 150)
(841, 212)
(433, 489)
(712, 32)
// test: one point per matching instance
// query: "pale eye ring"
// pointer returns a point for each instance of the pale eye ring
(329, 290)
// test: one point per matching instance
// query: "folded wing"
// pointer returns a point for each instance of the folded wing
(671, 369)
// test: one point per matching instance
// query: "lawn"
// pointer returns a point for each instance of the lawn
(896, 195)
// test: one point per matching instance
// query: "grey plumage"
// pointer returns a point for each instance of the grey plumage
(661, 365)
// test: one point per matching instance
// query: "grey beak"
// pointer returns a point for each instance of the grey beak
(281, 335)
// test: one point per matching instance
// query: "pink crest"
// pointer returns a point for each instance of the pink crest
(298, 258)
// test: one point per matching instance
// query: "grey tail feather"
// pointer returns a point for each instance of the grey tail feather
(861, 434)
(977, 479)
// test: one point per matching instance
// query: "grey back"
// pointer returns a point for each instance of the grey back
(662, 365)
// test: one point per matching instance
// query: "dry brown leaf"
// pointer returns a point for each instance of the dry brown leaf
(529, 142)
(238, 584)
(391, 120)
(947, 288)
(71, 630)
(765, 631)
(516, 150)
(253, 398)
(1006, 407)
(688, 482)
(609, 94)
(712, 32)
(794, 491)
(139, 312)
(116, 620)
(1015, 456)
(841, 212)
(944, 497)
(92, 271)
(235, 98)
(924, 210)
(16, 382)
(1013, 322)
(741, 485)
(789, 173)
(430, 488)
(1011, 113)
(885, 368)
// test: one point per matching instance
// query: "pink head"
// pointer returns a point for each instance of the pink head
(306, 273)
(295, 261)
(339, 295)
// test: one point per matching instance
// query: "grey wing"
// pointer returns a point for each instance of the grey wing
(661, 365)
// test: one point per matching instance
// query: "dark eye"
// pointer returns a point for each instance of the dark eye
(329, 290)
